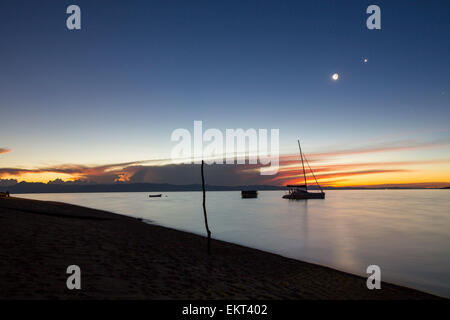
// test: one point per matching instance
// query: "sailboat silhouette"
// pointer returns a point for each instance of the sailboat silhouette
(300, 191)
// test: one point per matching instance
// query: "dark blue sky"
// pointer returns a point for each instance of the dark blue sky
(137, 70)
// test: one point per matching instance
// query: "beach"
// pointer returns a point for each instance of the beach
(122, 257)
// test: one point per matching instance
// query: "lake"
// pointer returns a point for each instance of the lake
(405, 232)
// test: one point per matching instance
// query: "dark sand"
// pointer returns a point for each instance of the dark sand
(123, 258)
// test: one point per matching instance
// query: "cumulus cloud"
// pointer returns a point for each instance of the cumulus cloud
(158, 171)
(7, 182)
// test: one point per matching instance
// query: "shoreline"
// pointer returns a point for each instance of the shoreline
(216, 190)
(125, 258)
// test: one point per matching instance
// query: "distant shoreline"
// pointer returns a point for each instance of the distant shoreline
(124, 258)
(217, 190)
(24, 187)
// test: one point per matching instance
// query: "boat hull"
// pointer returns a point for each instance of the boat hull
(246, 194)
(304, 195)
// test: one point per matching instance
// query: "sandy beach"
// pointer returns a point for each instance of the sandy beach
(124, 258)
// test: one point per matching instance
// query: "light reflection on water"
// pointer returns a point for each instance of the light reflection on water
(405, 232)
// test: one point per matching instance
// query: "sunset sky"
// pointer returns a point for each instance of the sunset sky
(100, 104)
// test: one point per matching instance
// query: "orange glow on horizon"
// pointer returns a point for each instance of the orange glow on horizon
(42, 177)
(345, 168)
(437, 177)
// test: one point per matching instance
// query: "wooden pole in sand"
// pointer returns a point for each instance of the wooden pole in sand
(204, 210)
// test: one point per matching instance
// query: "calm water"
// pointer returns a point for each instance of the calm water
(405, 232)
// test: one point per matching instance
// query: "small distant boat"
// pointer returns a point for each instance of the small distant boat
(249, 194)
(300, 192)
(154, 195)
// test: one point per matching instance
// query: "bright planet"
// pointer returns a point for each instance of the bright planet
(335, 76)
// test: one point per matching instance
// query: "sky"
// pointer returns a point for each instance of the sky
(100, 104)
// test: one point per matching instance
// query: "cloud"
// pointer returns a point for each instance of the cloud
(81, 171)
(288, 169)
(190, 173)
(4, 150)
(394, 147)
(161, 171)
(7, 182)
(134, 172)
(294, 178)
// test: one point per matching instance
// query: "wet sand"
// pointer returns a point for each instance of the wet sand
(123, 258)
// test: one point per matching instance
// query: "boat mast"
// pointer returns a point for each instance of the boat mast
(312, 172)
(303, 165)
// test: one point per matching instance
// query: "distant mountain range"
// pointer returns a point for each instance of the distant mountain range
(27, 187)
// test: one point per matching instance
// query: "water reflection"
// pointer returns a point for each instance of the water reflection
(405, 232)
